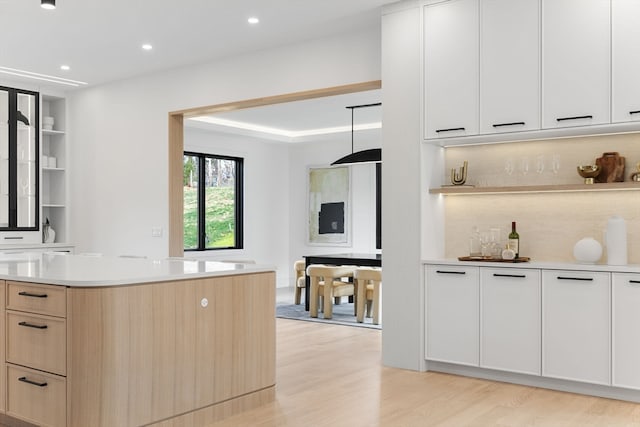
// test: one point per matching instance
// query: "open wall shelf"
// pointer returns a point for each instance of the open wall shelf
(561, 188)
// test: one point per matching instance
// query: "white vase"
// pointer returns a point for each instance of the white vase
(616, 241)
(587, 251)
(49, 234)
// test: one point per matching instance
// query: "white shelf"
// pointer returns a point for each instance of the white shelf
(562, 188)
(52, 132)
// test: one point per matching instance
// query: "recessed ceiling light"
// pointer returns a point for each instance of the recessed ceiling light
(147, 46)
(253, 20)
(65, 67)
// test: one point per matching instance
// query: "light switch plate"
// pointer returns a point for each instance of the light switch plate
(156, 231)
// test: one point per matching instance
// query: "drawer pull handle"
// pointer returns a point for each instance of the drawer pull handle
(13, 238)
(634, 281)
(519, 276)
(450, 272)
(634, 112)
(31, 325)
(583, 279)
(562, 119)
(498, 125)
(29, 294)
(448, 130)
(28, 381)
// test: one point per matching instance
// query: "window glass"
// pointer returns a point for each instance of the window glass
(190, 212)
(212, 202)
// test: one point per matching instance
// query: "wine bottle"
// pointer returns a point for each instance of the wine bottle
(514, 240)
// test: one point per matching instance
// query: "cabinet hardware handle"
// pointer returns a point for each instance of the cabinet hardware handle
(634, 112)
(29, 294)
(519, 276)
(583, 279)
(28, 381)
(497, 125)
(562, 119)
(448, 130)
(13, 238)
(450, 272)
(31, 325)
(634, 281)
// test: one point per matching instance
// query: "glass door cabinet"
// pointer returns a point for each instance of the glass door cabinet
(19, 143)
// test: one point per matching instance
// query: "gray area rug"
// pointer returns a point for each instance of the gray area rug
(342, 315)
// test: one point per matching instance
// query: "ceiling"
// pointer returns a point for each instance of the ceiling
(299, 121)
(101, 40)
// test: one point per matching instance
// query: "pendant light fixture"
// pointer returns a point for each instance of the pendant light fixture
(373, 155)
(48, 4)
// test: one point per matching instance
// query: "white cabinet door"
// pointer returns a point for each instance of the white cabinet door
(452, 316)
(625, 45)
(626, 330)
(510, 66)
(451, 51)
(510, 319)
(575, 62)
(576, 325)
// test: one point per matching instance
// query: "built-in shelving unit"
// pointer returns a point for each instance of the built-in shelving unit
(53, 178)
(559, 188)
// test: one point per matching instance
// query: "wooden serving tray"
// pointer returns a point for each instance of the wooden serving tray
(489, 259)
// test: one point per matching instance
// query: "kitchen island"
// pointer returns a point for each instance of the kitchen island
(100, 341)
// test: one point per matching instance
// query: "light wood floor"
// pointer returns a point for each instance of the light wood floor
(329, 375)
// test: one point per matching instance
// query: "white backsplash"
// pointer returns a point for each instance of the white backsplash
(549, 224)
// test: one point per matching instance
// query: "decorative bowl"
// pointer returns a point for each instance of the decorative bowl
(588, 172)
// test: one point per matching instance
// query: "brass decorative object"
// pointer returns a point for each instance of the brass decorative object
(589, 172)
(459, 178)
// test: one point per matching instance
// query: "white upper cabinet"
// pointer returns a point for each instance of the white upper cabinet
(509, 65)
(451, 49)
(625, 55)
(576, 46)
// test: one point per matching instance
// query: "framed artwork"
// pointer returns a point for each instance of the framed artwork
(329, 206)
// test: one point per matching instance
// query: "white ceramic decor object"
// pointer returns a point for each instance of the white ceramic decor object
(47, 122)
(587, 251)
(616, 241)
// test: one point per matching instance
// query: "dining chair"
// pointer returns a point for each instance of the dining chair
(326, 282)
(300, 279)
(368, 282)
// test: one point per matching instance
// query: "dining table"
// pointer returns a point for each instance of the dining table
(357, 259)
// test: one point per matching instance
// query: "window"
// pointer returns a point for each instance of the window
(212, 202)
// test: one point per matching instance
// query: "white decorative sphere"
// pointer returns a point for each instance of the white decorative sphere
(587, 251)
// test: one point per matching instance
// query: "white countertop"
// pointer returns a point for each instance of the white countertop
(94, 271)
(631, 268)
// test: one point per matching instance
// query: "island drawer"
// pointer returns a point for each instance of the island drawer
(36, 397)
(35, 298)
(39, 342)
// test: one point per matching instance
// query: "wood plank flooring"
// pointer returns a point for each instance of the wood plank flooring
(329, 375)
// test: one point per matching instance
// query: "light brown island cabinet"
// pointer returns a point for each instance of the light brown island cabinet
(175, 353)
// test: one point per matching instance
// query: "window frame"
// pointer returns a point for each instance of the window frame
(201, 197)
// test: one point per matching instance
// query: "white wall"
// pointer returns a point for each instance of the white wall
(118, 132)
(276, 195)
(266, 197)
(363, 186)
(403, 337)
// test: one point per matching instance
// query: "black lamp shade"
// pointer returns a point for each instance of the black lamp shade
(372, 155)
(48, 4)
